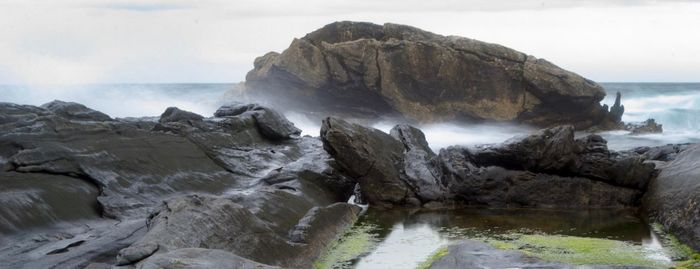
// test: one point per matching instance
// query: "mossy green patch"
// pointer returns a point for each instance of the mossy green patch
(433, 257)
(357, 241)
(579, 250)
(692, 263)
(684, 256)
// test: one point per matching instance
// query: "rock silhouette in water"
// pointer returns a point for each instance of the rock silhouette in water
(366, 70)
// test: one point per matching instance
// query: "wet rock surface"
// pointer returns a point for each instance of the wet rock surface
(476, 254)
(547, 169)
(65, 165)
(673, 198)
(242, 188)
(200, 258)
(364, 70)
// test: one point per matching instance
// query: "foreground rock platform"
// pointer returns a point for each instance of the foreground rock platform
(85, 188)
(80, 188)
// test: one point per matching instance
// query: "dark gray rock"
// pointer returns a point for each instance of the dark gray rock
(271, 123)
(254, 230)
(200, 258)
(124, 169)
(366, 70)
(420, 169)
(322, 222)
(75, 111)
(496, 186)
(31, 200)
(174, 114)
(136, 253)
(673, 198)
(555, 151)
(646, 127)
(547, 169)
(234, 110)
(373, 158)
(275, 126)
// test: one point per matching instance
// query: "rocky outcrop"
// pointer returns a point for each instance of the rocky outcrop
(646, 127)
(555, 151)
(366, 70)
(547, 169)
(271, 123)
(673, 198)
(71, 165)
(372, 158)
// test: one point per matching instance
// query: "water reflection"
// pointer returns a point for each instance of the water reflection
(406, 238)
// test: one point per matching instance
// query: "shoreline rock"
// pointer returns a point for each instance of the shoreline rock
(243, 187)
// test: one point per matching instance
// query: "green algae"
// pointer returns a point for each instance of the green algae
(433, 258)
(357, 241)
(683, 254)
(692, 263)
(585, 251)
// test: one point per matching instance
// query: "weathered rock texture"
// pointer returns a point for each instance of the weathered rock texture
(546, 169)
(673, 198)
(84, 184)
(368, 70)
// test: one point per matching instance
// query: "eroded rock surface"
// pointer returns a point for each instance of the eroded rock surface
(366, 70)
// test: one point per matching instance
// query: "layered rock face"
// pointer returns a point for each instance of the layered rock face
(547, 169)
(366, 70)
(89, 188)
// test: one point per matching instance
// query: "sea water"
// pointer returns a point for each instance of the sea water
(675, 105)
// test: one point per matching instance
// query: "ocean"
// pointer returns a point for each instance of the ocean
(675, 105)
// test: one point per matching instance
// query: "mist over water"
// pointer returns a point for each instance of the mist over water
(124, 100)
(675, 105)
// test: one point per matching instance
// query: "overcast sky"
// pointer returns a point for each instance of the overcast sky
(62, 41)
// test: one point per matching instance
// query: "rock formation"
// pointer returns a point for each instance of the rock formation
(199, 179)
(547, 169)
(244, 189)
(366, 70)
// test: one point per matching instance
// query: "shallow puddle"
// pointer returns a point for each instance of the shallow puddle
(407, 239)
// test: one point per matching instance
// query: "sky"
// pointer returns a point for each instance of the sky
(175, 41)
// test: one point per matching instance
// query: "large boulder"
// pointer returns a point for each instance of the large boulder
(367, 70)
(673, 198)
(371, 157)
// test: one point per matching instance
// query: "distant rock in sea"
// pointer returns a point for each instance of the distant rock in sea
(364, 70)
